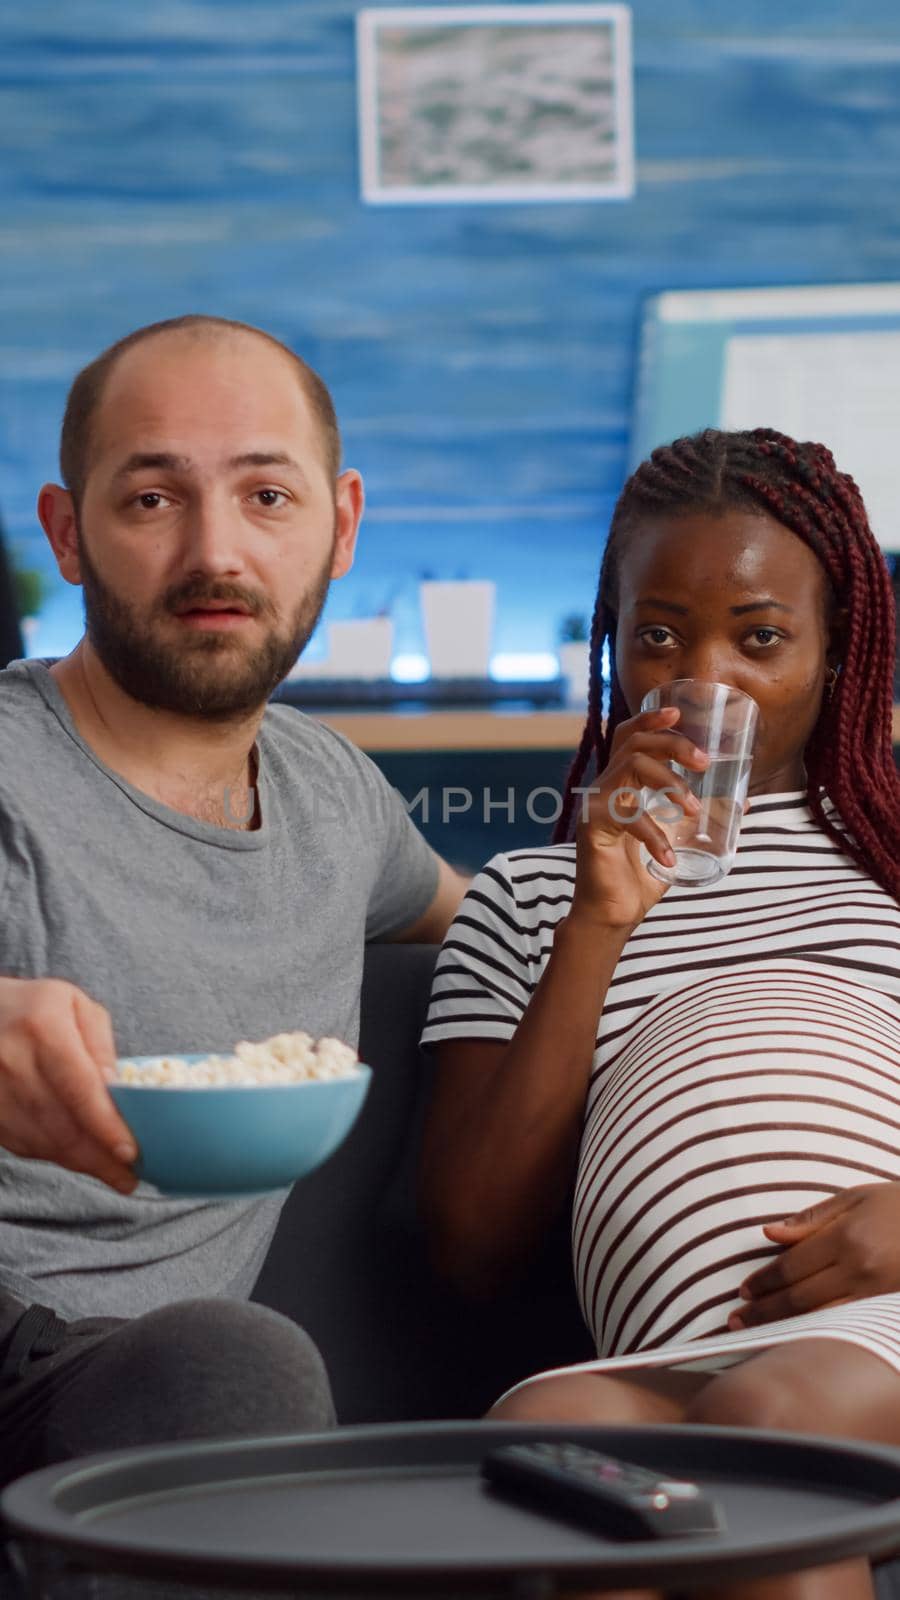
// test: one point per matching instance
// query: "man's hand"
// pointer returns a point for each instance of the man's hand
(844, 1248)
(56, 1057)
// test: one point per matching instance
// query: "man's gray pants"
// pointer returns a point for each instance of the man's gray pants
(197, 1369)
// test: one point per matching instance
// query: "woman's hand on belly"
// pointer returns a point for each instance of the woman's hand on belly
(844, 1248)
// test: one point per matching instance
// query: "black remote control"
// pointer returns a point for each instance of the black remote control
(613, 1497)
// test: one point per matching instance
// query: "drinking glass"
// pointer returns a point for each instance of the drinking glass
(722, 721)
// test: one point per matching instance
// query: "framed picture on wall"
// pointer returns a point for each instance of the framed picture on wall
(495, 103)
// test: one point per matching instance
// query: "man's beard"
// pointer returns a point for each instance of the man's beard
(213, 675)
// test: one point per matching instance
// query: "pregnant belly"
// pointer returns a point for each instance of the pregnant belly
(732, 1102)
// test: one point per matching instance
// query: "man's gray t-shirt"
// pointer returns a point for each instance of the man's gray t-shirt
(193, 936)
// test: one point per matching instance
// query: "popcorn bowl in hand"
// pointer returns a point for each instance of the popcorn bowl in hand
(221, 1140)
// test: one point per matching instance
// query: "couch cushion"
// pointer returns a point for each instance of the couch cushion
(349, 1260)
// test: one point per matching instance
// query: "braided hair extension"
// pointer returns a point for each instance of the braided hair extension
(848, 758)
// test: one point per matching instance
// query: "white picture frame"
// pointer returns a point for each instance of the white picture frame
(495, 103)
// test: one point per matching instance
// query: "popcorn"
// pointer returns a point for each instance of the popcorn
(285, 1058)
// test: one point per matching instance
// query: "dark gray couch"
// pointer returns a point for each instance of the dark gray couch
(349, 1263)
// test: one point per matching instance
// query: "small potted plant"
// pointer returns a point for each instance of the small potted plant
(29, 590)
(361, 647)
(356, 647)
(575, 657)
(458, 619)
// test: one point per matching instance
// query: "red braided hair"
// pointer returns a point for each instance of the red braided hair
(849, 758)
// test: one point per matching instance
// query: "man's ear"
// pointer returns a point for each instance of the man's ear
(56, 511)
(350, 501)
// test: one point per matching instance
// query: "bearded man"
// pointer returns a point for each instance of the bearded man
(181, 865)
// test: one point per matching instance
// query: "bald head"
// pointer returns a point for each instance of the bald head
(91, 386)
(203, 518)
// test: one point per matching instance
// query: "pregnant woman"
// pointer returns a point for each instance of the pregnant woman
(716, 1070)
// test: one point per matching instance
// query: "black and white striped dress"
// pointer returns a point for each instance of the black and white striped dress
(747, 1065)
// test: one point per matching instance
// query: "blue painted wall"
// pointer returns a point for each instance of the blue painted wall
(201, 155)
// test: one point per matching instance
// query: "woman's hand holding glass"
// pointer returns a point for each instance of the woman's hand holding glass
(612, 885)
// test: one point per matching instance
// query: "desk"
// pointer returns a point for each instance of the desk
(486, 779)
(458, 729)
(471, 730)
(476, 782)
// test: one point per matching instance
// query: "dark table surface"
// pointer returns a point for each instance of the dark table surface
(403, 1510)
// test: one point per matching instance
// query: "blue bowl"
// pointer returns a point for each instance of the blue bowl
(235, 1139)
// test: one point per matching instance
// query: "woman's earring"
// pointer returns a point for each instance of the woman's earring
(831, 678)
